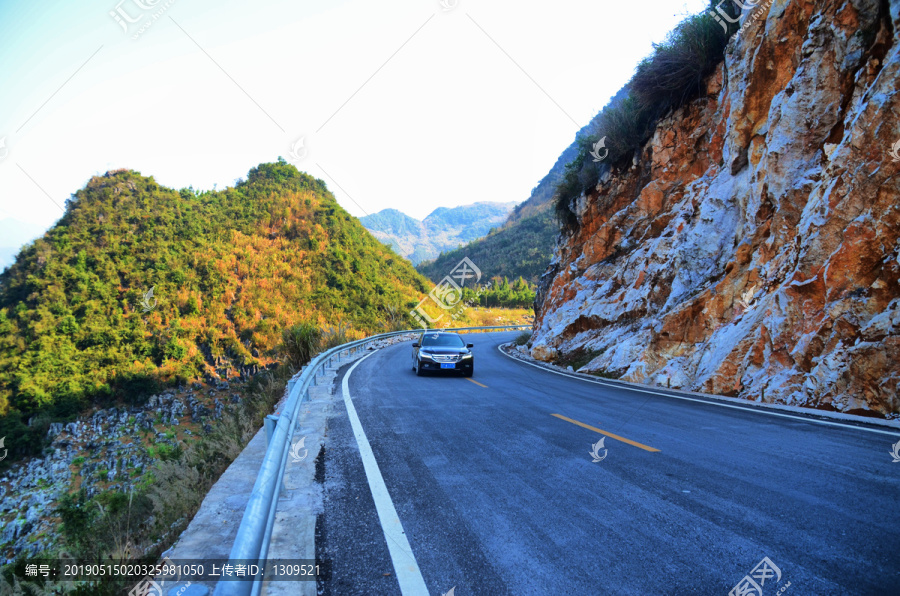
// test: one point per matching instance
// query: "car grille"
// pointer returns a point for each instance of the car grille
(445, 357)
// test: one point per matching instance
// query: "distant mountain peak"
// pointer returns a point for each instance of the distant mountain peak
(445, 228)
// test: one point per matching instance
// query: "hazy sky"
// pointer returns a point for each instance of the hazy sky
(405, 104)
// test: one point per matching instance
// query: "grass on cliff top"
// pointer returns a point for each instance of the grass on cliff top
(672, 75)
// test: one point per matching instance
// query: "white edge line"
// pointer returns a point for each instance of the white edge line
(409, 576)
(711, 401)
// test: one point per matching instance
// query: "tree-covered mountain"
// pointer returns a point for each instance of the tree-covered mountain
(521, 249)
(228, 270)
(443, 229)
(523, 245)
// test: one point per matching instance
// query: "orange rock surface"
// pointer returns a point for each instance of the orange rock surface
(753, 249)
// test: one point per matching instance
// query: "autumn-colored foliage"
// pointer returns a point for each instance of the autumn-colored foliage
(230, 270)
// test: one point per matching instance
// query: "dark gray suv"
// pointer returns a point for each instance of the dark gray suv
(439, 351)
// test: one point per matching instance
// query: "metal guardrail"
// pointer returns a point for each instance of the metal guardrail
(255, 531)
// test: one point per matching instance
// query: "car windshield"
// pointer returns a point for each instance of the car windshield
(442, 340)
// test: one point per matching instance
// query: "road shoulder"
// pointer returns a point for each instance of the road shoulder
(887, 427)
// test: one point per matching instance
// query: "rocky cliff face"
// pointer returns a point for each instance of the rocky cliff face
(101, 452)
(752, 248)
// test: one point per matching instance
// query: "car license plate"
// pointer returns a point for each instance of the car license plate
(448, 365)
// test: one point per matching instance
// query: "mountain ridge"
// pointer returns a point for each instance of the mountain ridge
(523, 244)
(230, 269)
(442, 229)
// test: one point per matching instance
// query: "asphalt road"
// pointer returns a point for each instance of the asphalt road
(497, 495)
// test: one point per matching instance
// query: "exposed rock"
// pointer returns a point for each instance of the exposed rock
(753, 250)
(109, 458)
(543, 352)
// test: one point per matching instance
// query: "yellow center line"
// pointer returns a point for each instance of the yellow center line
(476, 382)
(610, 435)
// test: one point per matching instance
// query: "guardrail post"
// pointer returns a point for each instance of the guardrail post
(270, 422)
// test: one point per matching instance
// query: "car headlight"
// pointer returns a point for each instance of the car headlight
(425, 355)
(466, 356)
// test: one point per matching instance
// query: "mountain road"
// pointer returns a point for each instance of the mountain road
(500, 484)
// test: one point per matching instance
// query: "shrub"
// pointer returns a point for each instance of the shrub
(299, 344)
(175, 350)
(167, 452)
(335, 335)
(675, 71)
(523, 338)
(108, 524)
(395, 319)
(672, 75)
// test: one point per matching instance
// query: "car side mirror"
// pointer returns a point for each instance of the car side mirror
(470, 345)
(415, 344)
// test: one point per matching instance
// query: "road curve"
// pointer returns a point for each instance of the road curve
(497, 492)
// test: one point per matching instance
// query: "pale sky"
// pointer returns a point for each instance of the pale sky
(408, 104)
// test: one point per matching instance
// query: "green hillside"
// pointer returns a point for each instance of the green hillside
(523, 245)
(229, 270)
(523, 249)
